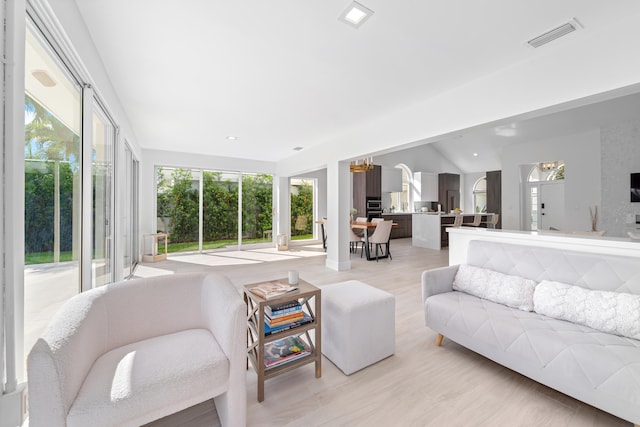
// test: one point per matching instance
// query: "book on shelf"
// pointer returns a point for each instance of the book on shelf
(268, 330)
(269, 290)
(285, 350)
(283, 309)
(283, 319)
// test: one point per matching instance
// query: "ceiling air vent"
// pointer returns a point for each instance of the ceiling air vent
(555, 33)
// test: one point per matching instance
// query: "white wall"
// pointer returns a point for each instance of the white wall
(581, 153)
(620, 153)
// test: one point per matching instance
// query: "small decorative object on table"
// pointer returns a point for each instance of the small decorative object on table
(269, 290)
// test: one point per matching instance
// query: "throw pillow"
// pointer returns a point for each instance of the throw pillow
(506, 289)
(613, 312)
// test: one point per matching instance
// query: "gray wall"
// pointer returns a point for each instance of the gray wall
(620, 156)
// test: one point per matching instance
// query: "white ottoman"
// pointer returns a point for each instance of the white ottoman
(358, 325)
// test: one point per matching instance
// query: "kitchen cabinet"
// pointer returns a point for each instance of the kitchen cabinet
(494, 194)
(391, 180)
(403, 229)
(366, 185)
(425, 186)
(449, 191)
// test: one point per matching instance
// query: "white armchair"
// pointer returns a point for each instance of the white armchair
(132, 352)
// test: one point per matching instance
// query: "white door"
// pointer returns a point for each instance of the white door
(551, 206)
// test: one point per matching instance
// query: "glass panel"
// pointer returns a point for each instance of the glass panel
(127, 212)
(480, 196)
(480, 202)
(301, 208)
(257, 208)
(220, 210)
(103, 135)
(533, 197)
(552, 171)
(178, 207)
(53, 173)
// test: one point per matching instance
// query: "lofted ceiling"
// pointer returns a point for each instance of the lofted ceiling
(286, 74)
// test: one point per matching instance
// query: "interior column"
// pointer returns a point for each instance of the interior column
(338, 206)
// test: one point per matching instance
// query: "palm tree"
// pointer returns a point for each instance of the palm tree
(46, 137)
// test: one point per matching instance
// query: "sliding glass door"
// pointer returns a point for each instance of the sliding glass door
(102, 177)
(129, 220)
(53, 185)
(205, 210)
(302, 208)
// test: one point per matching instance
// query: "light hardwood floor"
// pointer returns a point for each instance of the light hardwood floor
(420, 385)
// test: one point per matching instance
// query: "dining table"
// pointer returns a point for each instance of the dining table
(365, 227)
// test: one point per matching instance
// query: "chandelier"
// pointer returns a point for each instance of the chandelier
(548, 166)
(363, 165)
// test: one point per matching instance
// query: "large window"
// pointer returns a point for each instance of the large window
(211, 210)
(102, 179)
(480, 195)
(53, 185)
(401, 200)
(129, 211)
(301, 191)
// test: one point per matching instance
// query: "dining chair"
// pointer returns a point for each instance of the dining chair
(353, 241)
(363, 239)
(477, 219)
(382, 237)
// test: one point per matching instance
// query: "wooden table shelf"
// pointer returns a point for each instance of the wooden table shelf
(256, 338)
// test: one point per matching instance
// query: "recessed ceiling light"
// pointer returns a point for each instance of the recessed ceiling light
(355, 14)
(232, 138)
(475, 154)
(508, 130)
(297, 148)
(44, 78)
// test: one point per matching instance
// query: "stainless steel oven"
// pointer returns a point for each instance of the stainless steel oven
(374, 208)
(374, 205)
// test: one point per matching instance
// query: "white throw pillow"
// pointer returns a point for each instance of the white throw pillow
(513, 291)
(613, 312)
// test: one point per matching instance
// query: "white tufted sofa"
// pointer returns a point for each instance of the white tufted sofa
(595, 367)
(129, 353)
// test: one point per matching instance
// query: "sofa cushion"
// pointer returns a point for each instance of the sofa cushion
(614, 312)
(510, 290)
(155, 374)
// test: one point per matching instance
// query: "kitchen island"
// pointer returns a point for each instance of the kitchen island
(428, 228)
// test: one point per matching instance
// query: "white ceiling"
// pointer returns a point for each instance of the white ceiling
(283, 74)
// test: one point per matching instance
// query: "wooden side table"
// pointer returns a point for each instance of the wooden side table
(256, 338)
(153, 255)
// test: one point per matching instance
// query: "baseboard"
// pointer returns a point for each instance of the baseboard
(13, 407)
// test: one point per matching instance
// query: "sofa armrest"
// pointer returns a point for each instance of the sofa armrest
(437, 281)
(225, 313)
(45, 388)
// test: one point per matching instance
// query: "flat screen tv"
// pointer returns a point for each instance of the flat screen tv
(635, 187)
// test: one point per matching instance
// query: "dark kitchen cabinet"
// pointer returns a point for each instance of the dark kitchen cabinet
(449, 191)
(494, 194)
(366, 185)
(404, 227)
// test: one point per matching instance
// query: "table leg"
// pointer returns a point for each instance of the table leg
(324, 238)
(366, 244)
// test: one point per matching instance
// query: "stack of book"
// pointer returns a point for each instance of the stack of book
(284, 316)
(285, 350)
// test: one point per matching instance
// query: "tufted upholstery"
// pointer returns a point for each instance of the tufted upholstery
(590, 271)
(600, 369)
